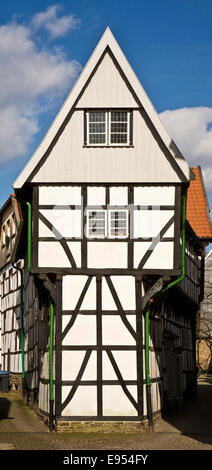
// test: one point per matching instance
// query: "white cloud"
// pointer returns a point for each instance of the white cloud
(31, 79)
(16, 132)
(191, 130)
(56, 26)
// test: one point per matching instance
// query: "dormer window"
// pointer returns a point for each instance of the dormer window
(108, 128)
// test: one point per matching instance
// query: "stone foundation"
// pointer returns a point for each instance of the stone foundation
(15, 382)
(102, 426)
(203, 355)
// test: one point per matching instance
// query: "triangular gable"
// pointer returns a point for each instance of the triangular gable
(107, 41)
(107, 87)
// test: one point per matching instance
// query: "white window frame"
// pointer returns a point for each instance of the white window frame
(94, 235)
(110, 225)
(102, 144)
(115, 144)
(107, 142)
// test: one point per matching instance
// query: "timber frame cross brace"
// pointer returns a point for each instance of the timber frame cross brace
(49, 286)
(154, 290)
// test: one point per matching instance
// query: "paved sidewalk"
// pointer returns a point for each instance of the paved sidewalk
(188, 429)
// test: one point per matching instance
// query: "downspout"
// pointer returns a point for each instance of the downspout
(51, 389)
(22, 327)
(148, 308)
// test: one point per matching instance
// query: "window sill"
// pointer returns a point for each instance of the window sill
(108, 146)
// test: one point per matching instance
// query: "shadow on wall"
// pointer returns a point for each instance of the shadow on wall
(4, 408)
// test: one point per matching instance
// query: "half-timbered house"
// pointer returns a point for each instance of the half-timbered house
(103, 201)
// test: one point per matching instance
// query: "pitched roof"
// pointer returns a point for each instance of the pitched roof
(106, 41)
(198, 210)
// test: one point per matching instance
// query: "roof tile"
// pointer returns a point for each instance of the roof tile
(197, 206)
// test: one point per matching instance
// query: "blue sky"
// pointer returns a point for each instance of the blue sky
(44, 45)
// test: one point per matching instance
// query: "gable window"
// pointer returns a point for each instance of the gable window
(110, 128)
(111, 223)
(96, 223)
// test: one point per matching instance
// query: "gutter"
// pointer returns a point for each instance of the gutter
(51, 388)
(149, 304)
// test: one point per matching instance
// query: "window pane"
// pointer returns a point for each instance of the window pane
(119, 116)
(118, 215)
(96, 128)
(96, 116)
(118, 138)
(119, 127)
(97, 138)
(95, 214)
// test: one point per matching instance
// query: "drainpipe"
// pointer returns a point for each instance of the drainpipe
(22, 327)
(51, 389)
(148, 308)
(147, 370)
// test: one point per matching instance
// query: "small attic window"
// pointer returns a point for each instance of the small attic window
(108, 128)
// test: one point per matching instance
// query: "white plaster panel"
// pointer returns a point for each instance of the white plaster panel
(140, 248)
(118, 196)
(125, 288)
(72, 288)
(114, 332)
(71, 364)
(96, 196)
(108, 372)
(126, 362)
(89, 301)
(82, 332)
(116, 403)
(44, 397)
(107, 255)
(67, 195)
(150, 223)
(161, 258)
(43, 230)
(154, 195)
(83, 403)
(75, 248)
(52, 254)
(107, 299)
(66, 222)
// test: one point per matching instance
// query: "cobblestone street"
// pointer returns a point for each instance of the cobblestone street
(188, 429)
